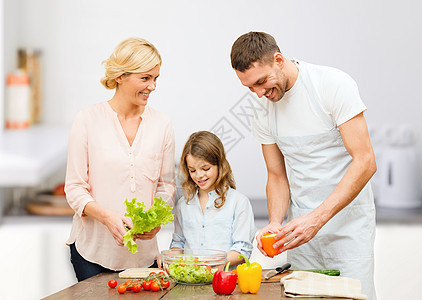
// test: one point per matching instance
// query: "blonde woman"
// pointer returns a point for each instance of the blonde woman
(118, 149)
(212, 214)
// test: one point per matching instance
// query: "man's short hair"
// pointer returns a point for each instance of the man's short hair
(251, 47)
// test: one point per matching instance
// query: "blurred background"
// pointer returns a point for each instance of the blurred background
(50, 56)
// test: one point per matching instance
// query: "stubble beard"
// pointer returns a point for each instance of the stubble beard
(281, 86)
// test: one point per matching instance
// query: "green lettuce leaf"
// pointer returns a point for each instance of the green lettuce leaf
(160, 213)
(191, 273)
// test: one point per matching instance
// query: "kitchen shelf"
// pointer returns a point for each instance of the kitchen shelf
(29, 156)
(399, 215)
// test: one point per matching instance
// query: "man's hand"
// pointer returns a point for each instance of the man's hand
(273, 228)
(298, 232)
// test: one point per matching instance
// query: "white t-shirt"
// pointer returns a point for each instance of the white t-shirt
(337, 96)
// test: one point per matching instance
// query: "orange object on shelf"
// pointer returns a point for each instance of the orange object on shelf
(18, 100)
(59, 190)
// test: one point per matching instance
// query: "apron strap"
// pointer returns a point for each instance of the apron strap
(274, 119)
(313, 96)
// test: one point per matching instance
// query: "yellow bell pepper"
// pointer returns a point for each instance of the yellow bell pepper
(249, 276)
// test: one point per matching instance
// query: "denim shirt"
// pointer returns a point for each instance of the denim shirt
(230, 227)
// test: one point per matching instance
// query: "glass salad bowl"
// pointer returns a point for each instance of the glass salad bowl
(193, 266)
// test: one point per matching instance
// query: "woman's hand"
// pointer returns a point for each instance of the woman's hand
(116, 225)
(273, 228)
(147, 235)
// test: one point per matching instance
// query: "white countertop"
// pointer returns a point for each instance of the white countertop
(29, 156)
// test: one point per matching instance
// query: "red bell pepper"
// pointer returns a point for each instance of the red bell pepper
(224, 282)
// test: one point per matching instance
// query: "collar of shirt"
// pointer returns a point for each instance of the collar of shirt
(145, 113)
(211, 198)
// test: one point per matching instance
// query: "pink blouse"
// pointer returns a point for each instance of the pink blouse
(103, 167)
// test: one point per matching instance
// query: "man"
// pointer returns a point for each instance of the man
(319, 159)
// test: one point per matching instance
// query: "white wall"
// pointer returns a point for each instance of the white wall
(377, 42)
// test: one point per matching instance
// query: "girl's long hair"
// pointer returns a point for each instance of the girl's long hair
(207, 146)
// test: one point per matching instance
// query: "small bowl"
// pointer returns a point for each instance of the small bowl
(193, 266)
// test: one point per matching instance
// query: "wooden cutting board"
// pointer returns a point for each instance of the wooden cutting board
(275, 278)
(138, 272)
(46, 209)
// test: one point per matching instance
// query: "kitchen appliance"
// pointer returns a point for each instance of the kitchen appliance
(398, 179)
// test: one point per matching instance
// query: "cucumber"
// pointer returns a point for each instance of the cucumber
(330, 272)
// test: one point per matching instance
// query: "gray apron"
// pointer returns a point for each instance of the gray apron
(315, 165)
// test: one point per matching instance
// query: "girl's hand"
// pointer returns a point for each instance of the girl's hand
(273, 228)
(147, 235)
(115, 224)
(159, 262)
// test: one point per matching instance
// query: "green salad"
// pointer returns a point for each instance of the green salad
(160, 213)
(191, 273)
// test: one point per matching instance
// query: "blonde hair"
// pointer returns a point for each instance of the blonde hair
(133, 55)
(207, 146)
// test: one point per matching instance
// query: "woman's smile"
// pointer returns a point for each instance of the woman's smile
(145, 95)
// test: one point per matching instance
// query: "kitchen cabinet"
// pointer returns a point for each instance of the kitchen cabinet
(35, 259)
(398, 261)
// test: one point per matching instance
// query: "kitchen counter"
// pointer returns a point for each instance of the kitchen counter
(383, 215)
(399, 216)
(96, 288)
(28, 156)
(35, 220)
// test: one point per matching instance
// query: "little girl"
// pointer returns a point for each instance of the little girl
(211, 214)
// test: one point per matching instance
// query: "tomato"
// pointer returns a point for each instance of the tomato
(161, 273)
(152, 273)
(155, 287)
(136, 288)
(128, 285)
(127, 282)
(146, 285)
(208, 268)
(112, 283)
(165, 284)
(121, 289)
(268, 241)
